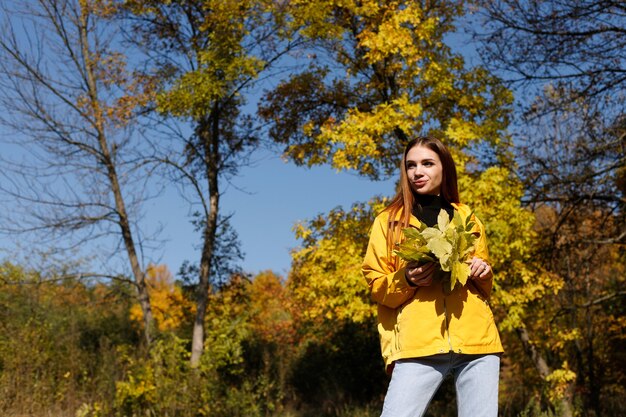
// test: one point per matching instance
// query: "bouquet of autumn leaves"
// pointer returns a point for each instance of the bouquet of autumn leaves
(448, 243)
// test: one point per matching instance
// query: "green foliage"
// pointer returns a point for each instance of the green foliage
(215, 49)
(449, 243)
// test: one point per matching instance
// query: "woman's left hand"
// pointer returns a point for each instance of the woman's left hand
(480, 269)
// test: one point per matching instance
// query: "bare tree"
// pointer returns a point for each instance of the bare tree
(210, 58)
(566, 61)
(578, 43)
(68, 101)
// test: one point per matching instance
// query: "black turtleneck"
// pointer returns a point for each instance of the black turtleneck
(427, 208)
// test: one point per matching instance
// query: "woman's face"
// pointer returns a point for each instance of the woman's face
(424, 170)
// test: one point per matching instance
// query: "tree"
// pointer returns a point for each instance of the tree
(69, 98)
(575, 191)
(272, 344)
(210, 53)
(169, 305)
(325, 279)
(568, 56)
(578, 44)
(380, 73)
(271, 309)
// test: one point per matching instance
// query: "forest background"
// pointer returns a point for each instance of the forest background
(108, 104)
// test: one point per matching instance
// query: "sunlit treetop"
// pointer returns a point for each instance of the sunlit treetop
(377, 75)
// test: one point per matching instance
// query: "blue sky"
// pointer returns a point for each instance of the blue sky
(266, 199)
(277, 195)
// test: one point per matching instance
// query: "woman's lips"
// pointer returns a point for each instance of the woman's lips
(420, 183)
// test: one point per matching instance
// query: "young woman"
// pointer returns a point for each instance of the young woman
(426, 331)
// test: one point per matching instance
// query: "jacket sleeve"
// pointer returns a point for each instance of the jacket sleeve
(388, 285)
(482, 285)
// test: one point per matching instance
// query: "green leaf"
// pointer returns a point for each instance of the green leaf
(449, 243)
(469, 224)
(457, 220)
(441, 248)
(443, 220)
(415, 254)
(431, 233)
(459, 272)
(412, 233)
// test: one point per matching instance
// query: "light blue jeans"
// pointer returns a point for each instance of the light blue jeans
(415, 381)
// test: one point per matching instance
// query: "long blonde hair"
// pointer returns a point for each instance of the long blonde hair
(404, 201)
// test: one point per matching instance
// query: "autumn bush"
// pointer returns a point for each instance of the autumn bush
(59, 342)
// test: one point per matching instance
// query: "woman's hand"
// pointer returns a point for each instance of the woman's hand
(419, 275)
(480, 269)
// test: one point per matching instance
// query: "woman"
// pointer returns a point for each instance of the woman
(426, 331)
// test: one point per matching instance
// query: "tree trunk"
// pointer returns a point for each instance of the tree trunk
(209, 133)
(543, 369)
(115, 187)
(197, 339)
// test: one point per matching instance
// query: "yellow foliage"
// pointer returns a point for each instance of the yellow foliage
(169, 306)
(397, 32)
(143, 389)
(462, 132)
(102, 8)
(312, 16)
(194, 93)
(559, 381)
(495, 194)
(330, 282)
(393, 78)
(358, 133)
(220, 62)
(564, 336)
(326, 280)
(617, 327)
(271, 307)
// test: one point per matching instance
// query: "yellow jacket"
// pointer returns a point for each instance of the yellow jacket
(422, 321)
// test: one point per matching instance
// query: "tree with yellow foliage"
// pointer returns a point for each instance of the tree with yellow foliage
(170, 307)
(325, 279)
(383, 73)
(379, 73)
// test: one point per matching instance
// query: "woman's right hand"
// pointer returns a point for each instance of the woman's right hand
(419, 275)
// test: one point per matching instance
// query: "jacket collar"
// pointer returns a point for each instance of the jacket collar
(413, 221)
